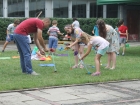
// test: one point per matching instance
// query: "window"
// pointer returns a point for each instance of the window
(112, 11)
(79, 9)
(60, 8)
(35, 6)
(96, 11)
(1, 8)
(16, 8)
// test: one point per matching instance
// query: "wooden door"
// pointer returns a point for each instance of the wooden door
(133, 20)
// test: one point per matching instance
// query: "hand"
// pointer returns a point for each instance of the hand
(67, 47)
(42, 52)
(46, 49)
(80, 58)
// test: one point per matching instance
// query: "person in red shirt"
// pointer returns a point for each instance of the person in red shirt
(35, 26)
(123, 31)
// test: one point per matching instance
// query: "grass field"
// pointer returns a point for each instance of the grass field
(11, 78)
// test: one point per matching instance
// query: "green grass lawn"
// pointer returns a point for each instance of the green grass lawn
(11, 77)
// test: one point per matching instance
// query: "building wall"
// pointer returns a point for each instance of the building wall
(57, 8)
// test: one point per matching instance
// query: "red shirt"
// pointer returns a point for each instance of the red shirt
(123, 29)
(29, 26)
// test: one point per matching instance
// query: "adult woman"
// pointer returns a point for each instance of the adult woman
(108, 32)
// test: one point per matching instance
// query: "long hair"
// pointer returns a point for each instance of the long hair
(102, 28)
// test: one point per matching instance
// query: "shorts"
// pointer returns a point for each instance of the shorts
(102, 51)
(53, 42)
(81, 44)
(122, 40)
(10, 38)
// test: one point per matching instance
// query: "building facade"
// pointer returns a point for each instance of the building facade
(59, 9)
(75, 8)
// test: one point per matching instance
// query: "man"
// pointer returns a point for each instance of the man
(35, 26)
(123, 31)
(10, 32)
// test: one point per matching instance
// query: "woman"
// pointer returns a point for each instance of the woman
(108, 32)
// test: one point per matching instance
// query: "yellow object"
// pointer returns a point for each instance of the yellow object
(15, 56)
(48, 58)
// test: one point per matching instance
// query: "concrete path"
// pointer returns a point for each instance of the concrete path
(12, 46)
(121, 93)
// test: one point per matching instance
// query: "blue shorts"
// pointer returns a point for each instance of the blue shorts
(10, 38)
(102, 51)
(53, 42)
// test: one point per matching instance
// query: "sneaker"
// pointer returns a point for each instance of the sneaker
(2, 50)
(118, 53)
(34, 73)
(95, 74)
(122, 54)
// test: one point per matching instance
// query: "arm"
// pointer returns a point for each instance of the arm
(88, 51)
(122, 33)
(48, 32)
(39, 40)
(59, 33)
(7, 31)
(126, 35)
(93, 32)
(75, 42)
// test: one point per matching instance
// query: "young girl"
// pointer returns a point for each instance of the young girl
(108, 32)
(101, 46)
(77, 44)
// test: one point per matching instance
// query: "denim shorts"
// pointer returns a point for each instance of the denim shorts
(53, 42)
(102, 51)
(122, 40)
(10, 38)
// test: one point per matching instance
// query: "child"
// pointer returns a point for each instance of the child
(101, 46)
(53, 35)
(77, 44)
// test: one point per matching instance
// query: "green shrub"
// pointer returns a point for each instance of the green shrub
(85, 24)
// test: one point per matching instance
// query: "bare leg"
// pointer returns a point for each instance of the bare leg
(4, 46)
(81, 51)
(113, 57)
(97, 62)
(108, 61)
(123, 49)
(76, 57)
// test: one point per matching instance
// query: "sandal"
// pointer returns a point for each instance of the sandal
(95, 74)
(81, 66)
(75, 66)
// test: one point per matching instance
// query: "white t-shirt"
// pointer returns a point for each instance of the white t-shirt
(11, 28)
(99, 42)
(75, 24)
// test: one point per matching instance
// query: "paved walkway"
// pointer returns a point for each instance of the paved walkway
(121, 93)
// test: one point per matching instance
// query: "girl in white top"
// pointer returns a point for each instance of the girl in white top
(101, 46)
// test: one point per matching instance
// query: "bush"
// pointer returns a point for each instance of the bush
(85, 24)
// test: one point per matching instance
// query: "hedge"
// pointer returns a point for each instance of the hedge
(85, 24)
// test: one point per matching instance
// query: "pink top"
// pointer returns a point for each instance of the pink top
(99, 42)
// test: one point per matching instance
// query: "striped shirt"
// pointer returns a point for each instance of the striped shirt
(53, 31)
